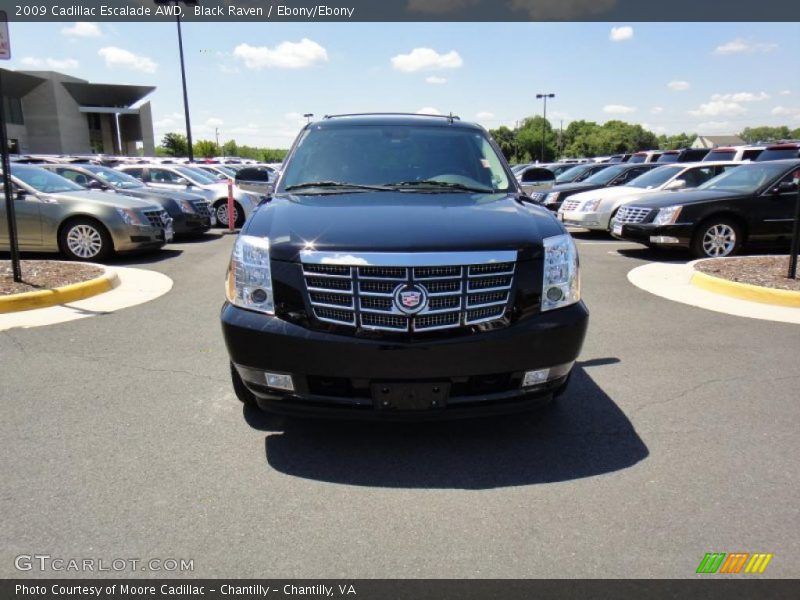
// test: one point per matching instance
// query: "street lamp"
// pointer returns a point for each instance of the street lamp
(544, 117)
(308, 116)
(183, 74)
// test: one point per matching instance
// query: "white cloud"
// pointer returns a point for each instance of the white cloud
(785, 111)
(426, 59)
(82, 29)
(741, 97)
(719, 108)
(618, 109)
(286, 55)
(679, 86)
(741, 45)
(485, 116)
(214, 122)
(121, 58)
(657, 110)
(428, 110)
(620, 34)
(543, 10)
(436, 80)
(659, 129)
(714, 127)
(64, 64)
(785, 93)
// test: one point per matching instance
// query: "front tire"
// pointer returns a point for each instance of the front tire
(85, 240)
(221, 210)
(717, 238)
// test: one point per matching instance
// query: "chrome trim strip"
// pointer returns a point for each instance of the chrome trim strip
(330, 290)
(406, 259)
(333, 306)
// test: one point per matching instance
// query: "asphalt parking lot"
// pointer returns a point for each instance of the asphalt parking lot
(678, 437)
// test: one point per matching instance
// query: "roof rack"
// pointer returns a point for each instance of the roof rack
(451, 117)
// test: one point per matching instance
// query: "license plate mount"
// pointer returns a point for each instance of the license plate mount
(417, 396)
(617, 229)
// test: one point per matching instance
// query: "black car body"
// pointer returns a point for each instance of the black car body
(191, 214)
(780, 152)
(752, 204)
(580, 172)
(615, 174)
(416, 300)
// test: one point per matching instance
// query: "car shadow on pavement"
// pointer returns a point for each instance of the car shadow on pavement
(200, 238)
(134, 259)
(581, 435)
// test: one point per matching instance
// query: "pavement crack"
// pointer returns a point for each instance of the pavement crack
(15, 342)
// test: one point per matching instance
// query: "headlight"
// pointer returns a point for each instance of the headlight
(131, 217)
(186, 206)
(249, 276)
(667, 215)
(551, 198)
(591, 205)
(561, 285)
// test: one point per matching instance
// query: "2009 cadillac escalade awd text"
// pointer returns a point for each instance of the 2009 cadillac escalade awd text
(398, 271)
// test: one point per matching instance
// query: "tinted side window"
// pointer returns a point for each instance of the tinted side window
(163, 176)
(135, 172)
(74, 176)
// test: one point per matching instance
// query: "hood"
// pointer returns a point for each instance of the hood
(662, 199)
(401, 222)
(163, 193)
(106, 198)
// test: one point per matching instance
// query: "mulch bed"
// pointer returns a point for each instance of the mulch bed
(43, 275)
(766, 271)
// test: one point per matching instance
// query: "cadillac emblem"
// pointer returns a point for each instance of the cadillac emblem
(410, 298)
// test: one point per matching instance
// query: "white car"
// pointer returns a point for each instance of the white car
(197, 181)
(595, 209)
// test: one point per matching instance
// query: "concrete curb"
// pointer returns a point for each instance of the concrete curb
(61, 295)
(745, 291)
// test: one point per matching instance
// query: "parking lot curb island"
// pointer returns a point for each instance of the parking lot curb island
(60, 295)
(745, 291)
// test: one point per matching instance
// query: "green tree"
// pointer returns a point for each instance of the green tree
(230, 148)
(765, 134)
(529, 140)
(676, 142)
(205, 148)
(506, 140)
(174, 144)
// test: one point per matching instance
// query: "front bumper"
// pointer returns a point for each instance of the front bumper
(333, 375)
(587, 220)
(129, 237)
(678, 235)
(190, 223)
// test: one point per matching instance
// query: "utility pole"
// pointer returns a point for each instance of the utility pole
(544, 116)
(216, 136)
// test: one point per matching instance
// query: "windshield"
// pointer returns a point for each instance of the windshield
(778, 154)
(745, 179)
(573, 173)
(668, 157)
(720, 155)
(43, 180)
(655, 178)
(390, 156)
(116, 179)
(196, 175)
(606, 175)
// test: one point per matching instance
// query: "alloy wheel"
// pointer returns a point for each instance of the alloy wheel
(719, 240)
(84, 241)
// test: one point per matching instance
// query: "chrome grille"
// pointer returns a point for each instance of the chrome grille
(157, 218)
(538, 196)
(475, 288)
(570, 205)
(631, 214)
(202, 208)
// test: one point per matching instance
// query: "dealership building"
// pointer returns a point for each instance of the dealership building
(52, 113)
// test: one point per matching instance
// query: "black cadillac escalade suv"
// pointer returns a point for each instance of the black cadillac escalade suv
(398, 271)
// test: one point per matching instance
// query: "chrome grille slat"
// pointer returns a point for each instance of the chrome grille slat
(631, 214)
(570, 205)
(362, 296)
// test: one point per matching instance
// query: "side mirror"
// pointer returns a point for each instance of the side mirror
(784, 187)
(675, 185)
(537, 178)
(20, 194)
(254, 179)
(182, 181)
(96, 185)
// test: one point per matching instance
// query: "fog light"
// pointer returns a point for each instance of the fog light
(258, 296)
(555, 294)
(279, 381)
(541, 376)
(664, 239)
(535, 377)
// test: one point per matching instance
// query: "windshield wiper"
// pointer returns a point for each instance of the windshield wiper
(441, 184)
(335, 184)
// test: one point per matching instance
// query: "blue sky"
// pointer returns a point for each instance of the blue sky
(254, 81)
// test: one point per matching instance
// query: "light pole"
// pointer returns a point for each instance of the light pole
(544, 117)
(183, 71)
(308, 116)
